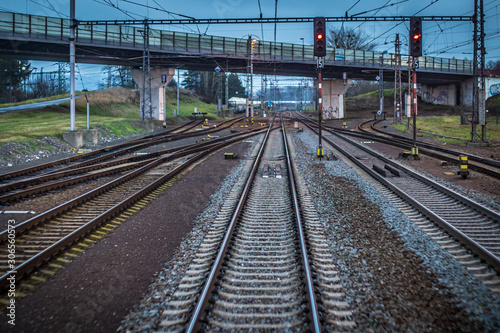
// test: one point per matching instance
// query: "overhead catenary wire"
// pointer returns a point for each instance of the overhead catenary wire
(51, 8)
(261, 24)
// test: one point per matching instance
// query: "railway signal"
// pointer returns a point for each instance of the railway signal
(319, 51)
(415, 36)
(319, 37)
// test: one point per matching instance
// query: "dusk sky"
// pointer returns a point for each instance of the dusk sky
(441, 39)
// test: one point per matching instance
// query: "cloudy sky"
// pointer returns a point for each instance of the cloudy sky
(441, 39)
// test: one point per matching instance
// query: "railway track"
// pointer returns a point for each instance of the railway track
(265, 263)
(476, 163)
(32, 175)
(43, 236)
(16, 190)
(470, 231)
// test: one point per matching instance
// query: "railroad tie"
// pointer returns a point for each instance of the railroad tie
(379, 170)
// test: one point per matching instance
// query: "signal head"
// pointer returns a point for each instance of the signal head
(415, 36)
(319, 36)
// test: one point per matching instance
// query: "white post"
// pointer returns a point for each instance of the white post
(88, 115)
(72, 65)
(178, 83)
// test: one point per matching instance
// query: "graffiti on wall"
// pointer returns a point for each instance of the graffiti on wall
(495, 89)
(441, 98)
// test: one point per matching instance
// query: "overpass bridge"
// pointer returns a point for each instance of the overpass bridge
(22, 36)
(46, 38)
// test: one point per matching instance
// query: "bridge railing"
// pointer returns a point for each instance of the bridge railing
(55, 29)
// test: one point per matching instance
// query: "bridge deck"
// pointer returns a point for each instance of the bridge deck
(40, 37)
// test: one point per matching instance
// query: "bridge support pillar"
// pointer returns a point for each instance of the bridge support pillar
(157, 95)
(333, 97)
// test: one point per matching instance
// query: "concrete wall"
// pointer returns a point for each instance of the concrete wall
(157, 95)
(333, 98)
(447, 94)
(439, 95)
(492, 86)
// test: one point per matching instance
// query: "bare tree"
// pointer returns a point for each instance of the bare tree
(493, 65)
(350, 38)
(118, 76)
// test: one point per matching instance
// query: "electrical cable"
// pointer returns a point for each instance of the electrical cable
(379, 8)
(51, 9)
(110, 4)
(261, 24)
(158, 9)
(81, 78)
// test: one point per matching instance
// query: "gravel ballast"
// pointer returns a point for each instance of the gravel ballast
(396, 277)
(96, 290)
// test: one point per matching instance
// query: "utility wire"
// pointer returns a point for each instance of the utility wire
(162, 9)
(158, 9)
(110, 4)
(58, 13)
(351, 7)
(81, 78)
(380, 8)
(51, 9)
(261, 24)
(432, 2)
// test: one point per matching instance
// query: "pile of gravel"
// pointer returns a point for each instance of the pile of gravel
(396, 277)
(24, 154)
(15, 153)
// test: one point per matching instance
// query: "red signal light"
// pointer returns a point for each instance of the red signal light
(415, 36)
(319, 37)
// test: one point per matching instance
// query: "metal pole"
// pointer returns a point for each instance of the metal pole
(227, 88)
(478, 89)
(164, 104)
(414, 109)
(381, 87)
(251, 84)
(72, 58)
(178, 83)
(88, 112)
(397, 81)
(320, 105)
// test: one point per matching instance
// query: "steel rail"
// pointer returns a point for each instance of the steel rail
(34, 221)
(69, 239)
(313, 307)
(143, 143)
(429, 150)
(472, 157)
(484, 210)
(476, 248)
(137, 160)
(75, 158)
(406, 143)
(114, 150)
(208, 287)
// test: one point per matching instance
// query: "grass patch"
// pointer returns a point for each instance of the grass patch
(26, 126)
(493, 101)
(187, 102)
(123, 128)
(450, 126)
(116, 109)
(400, 127)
